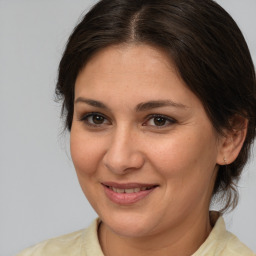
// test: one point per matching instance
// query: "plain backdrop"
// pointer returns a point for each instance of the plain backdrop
(39, 193)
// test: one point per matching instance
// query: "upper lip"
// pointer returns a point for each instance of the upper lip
(128, 185)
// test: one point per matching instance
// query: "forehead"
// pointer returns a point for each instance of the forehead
(132, 72)
(122, 61)
(130, 57)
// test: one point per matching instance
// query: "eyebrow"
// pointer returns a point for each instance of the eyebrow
(93, 103)
(143, 106)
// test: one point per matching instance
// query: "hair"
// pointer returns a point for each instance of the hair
(206, 47)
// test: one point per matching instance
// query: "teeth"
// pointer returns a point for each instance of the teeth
(129, 190)
(136, 190)
(118, 190)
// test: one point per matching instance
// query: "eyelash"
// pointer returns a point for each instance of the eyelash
(85, 118)
(165, 119)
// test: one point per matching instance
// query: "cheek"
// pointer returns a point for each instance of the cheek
(185, 157)
(85, 152)
(186, 164)
(171, 155)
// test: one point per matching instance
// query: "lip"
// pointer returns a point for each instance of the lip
(127, 198)
(128, 185)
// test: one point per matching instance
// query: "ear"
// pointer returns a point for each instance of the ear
(232, 141)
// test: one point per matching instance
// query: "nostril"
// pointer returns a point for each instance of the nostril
(120, 160)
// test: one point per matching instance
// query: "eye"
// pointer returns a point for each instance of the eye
(94, 119)
(159, 121)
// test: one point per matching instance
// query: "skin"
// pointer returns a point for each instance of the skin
(127, 145)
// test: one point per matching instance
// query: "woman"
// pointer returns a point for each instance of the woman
(159, 99)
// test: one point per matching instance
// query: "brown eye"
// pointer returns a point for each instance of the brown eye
(159, 121)
(97, 119)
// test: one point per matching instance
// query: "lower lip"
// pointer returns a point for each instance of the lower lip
(126, 198)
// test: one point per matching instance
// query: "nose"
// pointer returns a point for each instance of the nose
(123, 153)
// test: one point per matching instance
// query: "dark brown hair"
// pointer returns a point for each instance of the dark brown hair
(204, 43)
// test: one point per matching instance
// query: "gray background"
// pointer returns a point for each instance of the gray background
(39, 193)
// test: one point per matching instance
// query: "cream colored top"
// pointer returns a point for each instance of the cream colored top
(85, 243)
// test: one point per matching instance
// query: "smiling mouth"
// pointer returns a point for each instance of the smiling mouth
(130, 190)
(129, 193)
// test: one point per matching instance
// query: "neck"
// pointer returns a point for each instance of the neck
(182, 240)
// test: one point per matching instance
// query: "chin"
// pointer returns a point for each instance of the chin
(129, 225)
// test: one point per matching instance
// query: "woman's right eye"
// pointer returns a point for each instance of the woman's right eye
(95, 119)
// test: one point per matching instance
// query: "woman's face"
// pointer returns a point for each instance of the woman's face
(143, 147)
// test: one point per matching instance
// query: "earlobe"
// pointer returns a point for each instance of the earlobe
(231, 143)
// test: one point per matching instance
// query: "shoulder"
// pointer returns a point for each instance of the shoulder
(73, 244)
(62, 245)
(223, 243)
(233, 246)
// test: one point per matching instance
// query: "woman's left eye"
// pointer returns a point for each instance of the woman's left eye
(159, 121)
